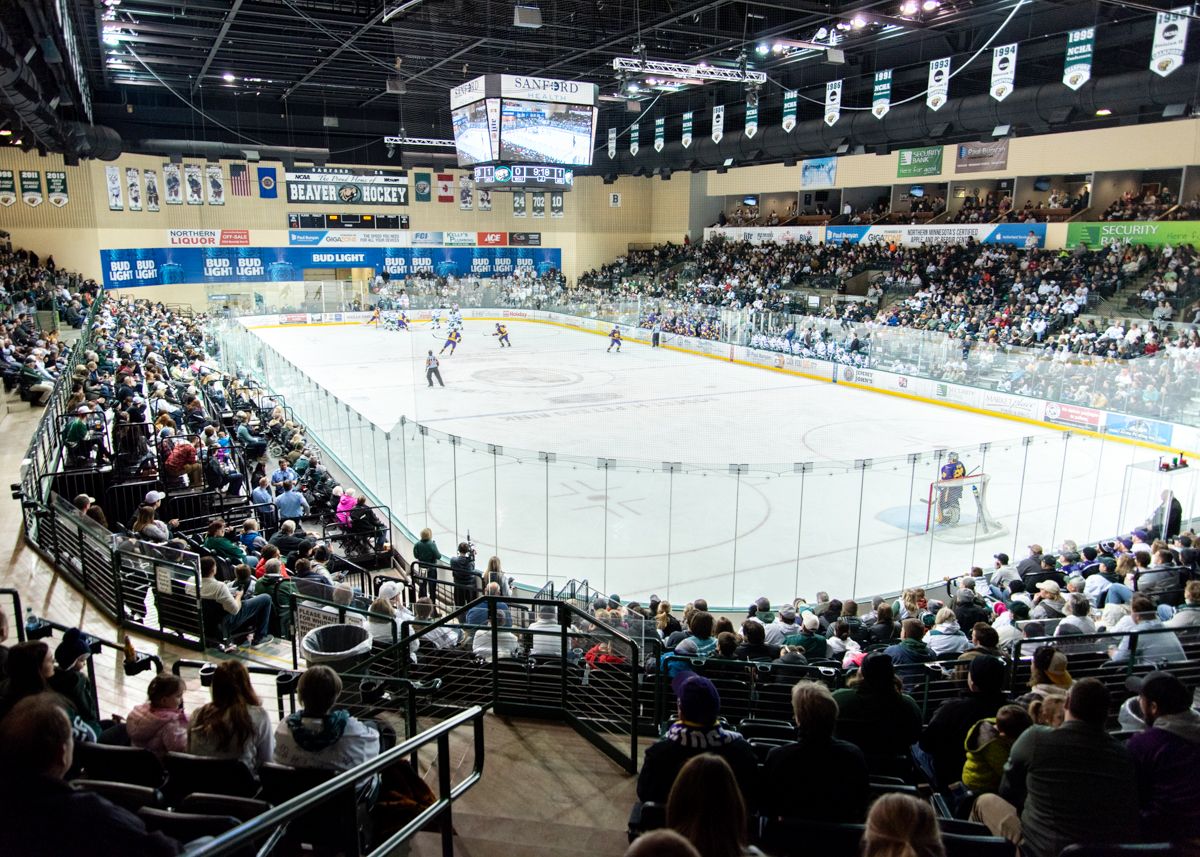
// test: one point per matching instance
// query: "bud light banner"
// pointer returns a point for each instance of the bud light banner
(160, 266)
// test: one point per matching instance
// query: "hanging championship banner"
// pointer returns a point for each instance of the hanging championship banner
(56, 188)
(556, 203)
(660, 133)
(518, 203)
(1170, 38)
(1077, 65)
(790, 97)
(1004, 71)
(612, 143)
(539, 205)
(151, 190)
(116, 197)
(31, 188)
(939, 83)
(175, 184)
(216, 184)
(751, 118)
(833, 102)
(881, 95)
(718, 123)
(194, 182)
(687, 129)
(133, 188)
(635, 142)
(8, 188)
(485, 200)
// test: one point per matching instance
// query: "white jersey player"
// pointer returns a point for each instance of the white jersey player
(435, 318)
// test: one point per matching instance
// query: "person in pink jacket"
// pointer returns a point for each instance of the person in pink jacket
(161, 724)
(345, 503)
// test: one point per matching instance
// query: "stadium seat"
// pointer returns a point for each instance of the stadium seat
(126, 795)
(185, 827)
(241, 808)
(119, 764)
(188, 774)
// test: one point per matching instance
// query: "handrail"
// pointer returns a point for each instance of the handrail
(262, 825)
(18, 617)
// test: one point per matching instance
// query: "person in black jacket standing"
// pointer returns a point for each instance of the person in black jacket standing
(463, 568)
(1166, 521)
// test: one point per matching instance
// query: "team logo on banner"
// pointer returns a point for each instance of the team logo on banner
(56, 188)
(790, 97)
(660, 131)
(718, 123)
(687, 130)
(751, 118)
(635, 142)
(1077, 65)
(1004, 71)
(833, 102)
(939, 84)
(1170, 38)
(881, 95)
(8, 187)
(612, 143)
(31, 188)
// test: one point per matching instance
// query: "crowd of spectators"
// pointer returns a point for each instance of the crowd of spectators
(1149, 204)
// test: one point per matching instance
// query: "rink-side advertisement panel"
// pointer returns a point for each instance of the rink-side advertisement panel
(159, 266)
(905, 234)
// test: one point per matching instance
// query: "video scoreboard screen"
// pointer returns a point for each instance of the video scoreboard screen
(524, 177)
(510, 119)
(302, 220)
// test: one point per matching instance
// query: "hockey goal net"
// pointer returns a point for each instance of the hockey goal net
(958, 511)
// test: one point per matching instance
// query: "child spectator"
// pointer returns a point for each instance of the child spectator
(988, 745)
(160, 725)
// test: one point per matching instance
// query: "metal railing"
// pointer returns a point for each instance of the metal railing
(274, 821)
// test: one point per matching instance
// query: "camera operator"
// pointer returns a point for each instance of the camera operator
(466, 587)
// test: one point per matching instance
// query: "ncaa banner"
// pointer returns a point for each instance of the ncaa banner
(790, 98)
(635, 143)
(833, 102)
(881, 94)
(173, 177)
(1170, 38)
(1077, 64)
(1004, 71)
(687, 129)
(939, 84)
(518, 203)
(751, 118)
(56, 189)
(718, 123)
(660, 131)
(612, 143)
(8, 187)
(151, 177)
(31, 188)
(133, 185)
(112, 178)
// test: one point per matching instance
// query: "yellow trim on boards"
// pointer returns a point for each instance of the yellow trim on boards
(910, 396)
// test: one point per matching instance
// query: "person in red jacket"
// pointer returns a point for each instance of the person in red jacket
(183, 461)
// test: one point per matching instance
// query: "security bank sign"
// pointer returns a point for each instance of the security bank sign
(1155, 234)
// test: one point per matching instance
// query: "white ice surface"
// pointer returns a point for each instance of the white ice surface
(638, 527)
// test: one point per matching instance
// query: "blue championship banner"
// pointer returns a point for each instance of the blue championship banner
(159, 266)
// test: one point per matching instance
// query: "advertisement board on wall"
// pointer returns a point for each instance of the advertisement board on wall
(922, 161)
(169, 265)
(347, 238)
(912, 235)
(1152, 233)
(1074, 415)
(765, 234)
(208, 237)
(348, 186)
(1139, 428)
(981, 157)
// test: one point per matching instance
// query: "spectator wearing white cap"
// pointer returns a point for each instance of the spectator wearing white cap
(388, 616)
(1048, 603)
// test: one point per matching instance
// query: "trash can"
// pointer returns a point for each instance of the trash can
(335, 645)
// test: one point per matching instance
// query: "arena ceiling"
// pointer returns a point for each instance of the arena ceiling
(315, 72)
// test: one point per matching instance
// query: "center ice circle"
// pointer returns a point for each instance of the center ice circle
(526, 376)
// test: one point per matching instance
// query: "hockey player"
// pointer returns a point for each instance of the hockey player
(374, 319)
(452, 340)
(402, 321)
(502, 332)
(950, 497)
(435, 317)
(456, 318)
(614, 338)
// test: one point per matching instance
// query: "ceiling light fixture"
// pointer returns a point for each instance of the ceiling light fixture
(228, 77)
(858, 22)
(930, 5)
(1104, 111)
(5, 132)
(700, 71)
(909, 7)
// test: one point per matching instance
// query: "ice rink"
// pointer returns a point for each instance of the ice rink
(797, 511)
(473, 142)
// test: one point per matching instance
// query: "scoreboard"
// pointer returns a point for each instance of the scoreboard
(303, 220)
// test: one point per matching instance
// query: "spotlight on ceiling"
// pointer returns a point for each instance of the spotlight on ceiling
(1104, 111)
(858, 22)
(763, 49)
(931, 5)
(228, 77)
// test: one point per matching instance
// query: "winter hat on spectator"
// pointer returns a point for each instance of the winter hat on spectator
(987, 674)
(1019, 610)
(787, 613)
(687, 647)
(74, 644)
(699, 701)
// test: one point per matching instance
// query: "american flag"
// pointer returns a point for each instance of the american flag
(239, 180)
